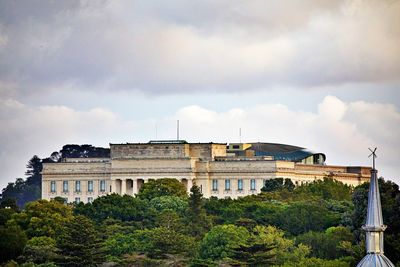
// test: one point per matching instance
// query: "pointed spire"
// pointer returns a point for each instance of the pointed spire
(374, 212)
(374, 227)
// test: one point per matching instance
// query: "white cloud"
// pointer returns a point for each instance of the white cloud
(342, 130)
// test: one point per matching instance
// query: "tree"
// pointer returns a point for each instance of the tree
(196, 217)
(27, 190)
(34, 168)
(40, 250)
(42, 218)
(162, 187)
(327, 188)
(283, 248)
(123, 208)
(7, 208)
(170, 220)
(79, 243)
(222, 240)
(174, 203)
(9, 203)
(12, 242)
(160, 242)
(253, 254)
(278, 184)
(120, 244)
(84, 151)
(272, 185)
(304, 216)
(327, 245)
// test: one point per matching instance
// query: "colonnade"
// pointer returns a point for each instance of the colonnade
(131, 187)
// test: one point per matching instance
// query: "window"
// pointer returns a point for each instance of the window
(227, 184)
(65, 186)
(90, 186)
(215, 185)
(77, 200)
(235, 146)
(77, 186)
(53, 186)
(240, 184)
(253, 184)
(102, 185)
(89, 199)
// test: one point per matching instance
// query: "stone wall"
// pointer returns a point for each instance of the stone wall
(127, 151)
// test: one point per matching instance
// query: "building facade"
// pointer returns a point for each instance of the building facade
(219, 169)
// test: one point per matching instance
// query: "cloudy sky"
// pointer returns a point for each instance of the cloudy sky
(314, 73)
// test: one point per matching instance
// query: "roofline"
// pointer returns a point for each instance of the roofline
(167, 143)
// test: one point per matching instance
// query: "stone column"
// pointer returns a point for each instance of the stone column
(135, 186)
(113, 186)
(123, 187)
(189, 185)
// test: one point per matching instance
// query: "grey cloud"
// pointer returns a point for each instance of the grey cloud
(181, 46)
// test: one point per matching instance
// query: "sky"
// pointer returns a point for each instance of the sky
(319, 74)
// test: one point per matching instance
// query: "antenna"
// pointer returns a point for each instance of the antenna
(240, 135)
(156, 131)
(374, 156)
(177, 130)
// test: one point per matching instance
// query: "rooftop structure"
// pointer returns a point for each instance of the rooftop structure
(277, 152)
(374, 226)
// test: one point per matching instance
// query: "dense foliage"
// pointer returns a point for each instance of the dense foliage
(316, 224)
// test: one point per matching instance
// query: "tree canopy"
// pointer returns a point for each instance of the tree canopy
(318, 224)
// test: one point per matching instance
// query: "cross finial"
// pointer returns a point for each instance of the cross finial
(373, 154)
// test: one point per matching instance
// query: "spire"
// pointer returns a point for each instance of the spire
(374, 212)
(374, 226)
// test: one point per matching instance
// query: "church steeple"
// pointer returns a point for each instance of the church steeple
(374, 226)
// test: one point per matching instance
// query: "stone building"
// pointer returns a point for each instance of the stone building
(219, 169)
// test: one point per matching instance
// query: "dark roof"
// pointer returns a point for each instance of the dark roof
(274, 148)
(283, 151)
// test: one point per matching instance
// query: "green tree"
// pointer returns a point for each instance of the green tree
(278, 184)
(9, 203)
(174, 203)
(27, 190)
(315, 262)
(160, 242)
(196, 217)
(40, 250)
(327, 188)
(301, 217)
(283, 248)
(254, 253)
(123, 208)
(120, 244)
(79, 243)
(220, 242)
(42, 218)
(7, 208)
(12, 242)
(171, 220)
(272, 185)
(327, 245)
(34, 168)
(162, 187)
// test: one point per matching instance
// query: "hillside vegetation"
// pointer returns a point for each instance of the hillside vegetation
(317, 224)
